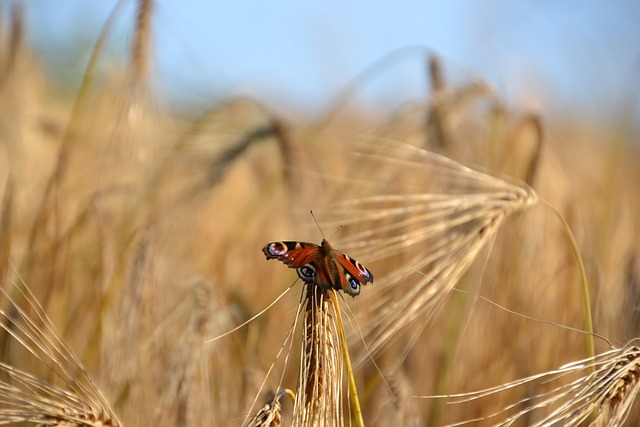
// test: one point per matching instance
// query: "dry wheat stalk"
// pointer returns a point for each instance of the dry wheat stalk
(189, 370)
(427, 217)
(9, 55)
(69, 396)
(218, 140)
(398, 407)
(128, 326)
(448, 104)
(270, 414)
(128, 150)
(141, 50)
(6, 220)
(598, 392)
(190, 397)
(319, 398)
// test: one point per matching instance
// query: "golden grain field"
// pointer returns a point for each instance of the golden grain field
(504, 246)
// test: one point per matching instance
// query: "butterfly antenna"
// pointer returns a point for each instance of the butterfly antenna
(316, 221)
(320, 228)
(337, 231)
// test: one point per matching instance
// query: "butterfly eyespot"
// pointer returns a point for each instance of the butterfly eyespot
(306, 272)
(354, 286)
(277, 248)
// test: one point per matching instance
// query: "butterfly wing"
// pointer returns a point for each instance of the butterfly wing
(294, 254)
(353, 275)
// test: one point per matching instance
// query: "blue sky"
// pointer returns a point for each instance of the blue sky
(580, 54)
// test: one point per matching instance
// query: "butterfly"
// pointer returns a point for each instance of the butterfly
(321, 265)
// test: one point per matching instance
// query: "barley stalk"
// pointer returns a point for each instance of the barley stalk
(318, 400)
(141, 50)
(14, 45)
(353, 392)
(6, 219)
(27, 398)
(270, 414)
(584, 285)
(190, 393)
(46, 210)
(430, 238)
(598, 391)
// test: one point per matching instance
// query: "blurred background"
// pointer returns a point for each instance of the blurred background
(578, 55)
(137, 189)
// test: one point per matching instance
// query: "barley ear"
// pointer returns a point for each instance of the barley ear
(270, 414)
(318, 400)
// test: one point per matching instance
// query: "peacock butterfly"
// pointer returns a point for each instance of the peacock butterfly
(321, 265)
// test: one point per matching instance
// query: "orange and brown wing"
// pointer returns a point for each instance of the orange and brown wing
(353, 275)
(294, 254)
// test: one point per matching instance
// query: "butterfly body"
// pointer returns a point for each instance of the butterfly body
(321, 265)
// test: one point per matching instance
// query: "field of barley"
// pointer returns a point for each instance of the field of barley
(504, 246)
